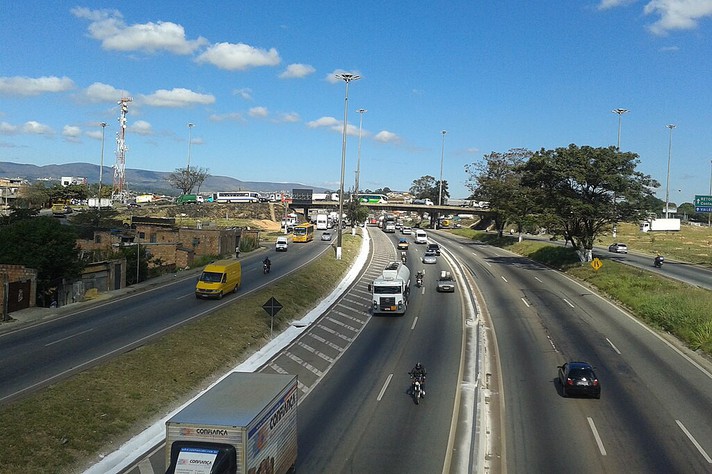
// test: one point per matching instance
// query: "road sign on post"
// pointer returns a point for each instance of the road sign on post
(703, 203)
(272, 306)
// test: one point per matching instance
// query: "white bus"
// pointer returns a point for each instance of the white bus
(236, 196)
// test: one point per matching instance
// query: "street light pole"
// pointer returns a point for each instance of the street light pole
(358, 161)
(442, 157)
(347, 78)
(101, 164)
(709, 214)
(667, 181)
(190, 141)
(619, 112)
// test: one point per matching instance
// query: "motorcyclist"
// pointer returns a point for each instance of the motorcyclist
(658, 262)
(419, 371)
(404, 256)
(267, 263)
(419, 277)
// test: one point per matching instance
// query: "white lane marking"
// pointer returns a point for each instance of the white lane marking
(568, 303)
(537, 279)
(694, 441)
(525, 303)
(68, 337)
(599, 442)
(415, 321)
(385, 386)
(505, 280)
(613, 346)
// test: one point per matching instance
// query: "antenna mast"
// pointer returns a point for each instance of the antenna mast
(119, 192)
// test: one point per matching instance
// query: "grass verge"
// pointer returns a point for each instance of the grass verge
(665, 304)
(68, 424)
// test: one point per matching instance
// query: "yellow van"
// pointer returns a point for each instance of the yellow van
(218, 278)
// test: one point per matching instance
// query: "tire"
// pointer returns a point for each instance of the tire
(220, 295)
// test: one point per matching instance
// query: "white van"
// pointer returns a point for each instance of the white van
(281, 244)
(421, 237)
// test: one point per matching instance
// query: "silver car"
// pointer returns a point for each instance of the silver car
(430, 257)
(618, 248)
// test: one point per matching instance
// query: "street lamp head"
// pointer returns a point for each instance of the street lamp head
(191, 125)
(671, 126)
(619, 111)
(361, 111)
(102, 124)
(444, 132)
(348, 77)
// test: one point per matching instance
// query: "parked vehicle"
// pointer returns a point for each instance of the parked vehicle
(578, 378)
(618, 248)
(391, 289)
(246, 423)
(218, 278)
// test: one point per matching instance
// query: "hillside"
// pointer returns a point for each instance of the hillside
(140, 181)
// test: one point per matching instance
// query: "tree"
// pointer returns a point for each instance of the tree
(586, 189)
(187, 179)
(428, 187)
(44, 244)
(497, 180)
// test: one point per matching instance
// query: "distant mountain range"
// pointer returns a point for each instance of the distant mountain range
(139, 181)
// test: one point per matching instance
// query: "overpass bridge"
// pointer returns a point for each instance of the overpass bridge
(397, 206)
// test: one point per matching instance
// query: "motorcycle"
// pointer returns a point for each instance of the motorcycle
(404, 258)
(419, 280)
(265, 268)
(416, 387)
(658, 262)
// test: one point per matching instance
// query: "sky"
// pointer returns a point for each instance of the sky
(258, 81)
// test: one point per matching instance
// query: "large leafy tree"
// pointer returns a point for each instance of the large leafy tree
(497, 180)
(44, 244)
(427, 187)
(188, 179)
(585, 189)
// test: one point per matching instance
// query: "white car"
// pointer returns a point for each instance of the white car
(281, 245)
(406, 230)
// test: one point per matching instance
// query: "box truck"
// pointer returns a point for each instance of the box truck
(660, 224)
(218, 278)
(390, 290)
(246, 424)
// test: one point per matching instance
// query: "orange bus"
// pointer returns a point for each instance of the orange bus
(303, 233)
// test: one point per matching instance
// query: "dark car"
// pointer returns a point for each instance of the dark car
(435, 248)
(578, 378)
(618, 248)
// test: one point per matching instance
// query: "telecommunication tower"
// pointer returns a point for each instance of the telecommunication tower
(119, 192)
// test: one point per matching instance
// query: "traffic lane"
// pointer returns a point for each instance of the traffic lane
(43, 353)
(572, 328)
(391, 435)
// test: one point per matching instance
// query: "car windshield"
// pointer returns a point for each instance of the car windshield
(211, 277)
(386, 290)
(578, 374)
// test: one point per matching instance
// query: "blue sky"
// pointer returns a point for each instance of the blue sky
(257, 80)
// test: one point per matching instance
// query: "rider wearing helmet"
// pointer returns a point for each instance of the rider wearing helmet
(267, 263)
(419, 371)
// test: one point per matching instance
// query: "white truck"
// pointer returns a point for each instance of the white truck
(245, 424)
(391, 289)
(660, 224)
(322, 222)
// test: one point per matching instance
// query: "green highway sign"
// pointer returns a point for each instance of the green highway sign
(703, 201)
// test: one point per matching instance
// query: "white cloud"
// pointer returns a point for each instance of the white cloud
(290, 117)
(140, 127)
(259, 112)
(177, 97)
(238, 56)
(94, 134)
(232, 116)
(34, 86)
(385, 136)
(677, 14)
(244, 93)
(297, 71)
(8, 129)
(36, 128)
(329, 122)
(99, 92)
(334, 77)
(108, 26)
(607, 4)
(72, 133)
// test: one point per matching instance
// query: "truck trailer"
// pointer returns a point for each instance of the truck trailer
(246, 424)
(660, 224)
(391, 289)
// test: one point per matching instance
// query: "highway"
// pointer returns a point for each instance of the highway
(43, 353)
(653, 415)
